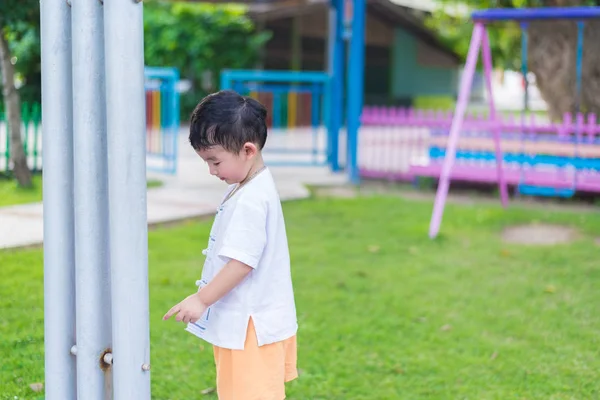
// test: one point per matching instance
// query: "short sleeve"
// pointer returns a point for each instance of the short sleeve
(246, 234)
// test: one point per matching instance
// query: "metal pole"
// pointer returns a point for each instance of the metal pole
(59, 252)
(461, 106)
(91, 200)
(336, 70)
(331, 27)
(355, 86)
(123, 29)
(486, 54)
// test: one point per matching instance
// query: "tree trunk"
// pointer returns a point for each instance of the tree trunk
(12, 103)
(552, 57)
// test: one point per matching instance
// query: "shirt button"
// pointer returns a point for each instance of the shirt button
(205, 252)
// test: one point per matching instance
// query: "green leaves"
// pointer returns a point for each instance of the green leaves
(200, 37)
(193, 37)
(505, 37)
(20, 23)
(16, 11)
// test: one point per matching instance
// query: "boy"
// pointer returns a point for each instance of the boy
(245, 303)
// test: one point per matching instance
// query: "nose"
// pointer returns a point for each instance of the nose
(213, 171)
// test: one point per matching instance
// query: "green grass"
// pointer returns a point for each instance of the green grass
(434, 103)
(384, 312)
(153, 183)
(11, 194)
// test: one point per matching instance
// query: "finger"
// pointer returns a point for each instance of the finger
(180, 316)
(188, 318)
(174, 310)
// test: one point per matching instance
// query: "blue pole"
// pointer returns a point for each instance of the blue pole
(538, 13)
(314, 120)
(355, 86)
(225, 80)
(336, 70)
(578, 65)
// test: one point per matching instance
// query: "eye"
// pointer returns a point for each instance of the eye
(216, 164)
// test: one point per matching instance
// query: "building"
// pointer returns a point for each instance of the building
(404, 61)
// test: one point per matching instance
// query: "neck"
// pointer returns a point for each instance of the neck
(256, 166)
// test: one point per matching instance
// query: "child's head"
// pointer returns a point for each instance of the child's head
(229, 131)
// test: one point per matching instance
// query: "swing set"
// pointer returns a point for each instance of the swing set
(480, 41)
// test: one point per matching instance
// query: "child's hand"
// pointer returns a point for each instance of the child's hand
(189, 310)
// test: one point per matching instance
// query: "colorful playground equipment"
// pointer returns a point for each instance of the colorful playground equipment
(306, 108)
(552, 190)
(162, 119)
(480, 39)
(162, 125)
(536, 157)
(404, 144)
(289, 106)
(298, 134)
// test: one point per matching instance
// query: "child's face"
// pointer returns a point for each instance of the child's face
(229, 167)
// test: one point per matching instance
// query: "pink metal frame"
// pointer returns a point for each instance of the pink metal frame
(479, 37)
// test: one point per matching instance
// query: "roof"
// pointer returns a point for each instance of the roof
(455, 8)
(397, 15)
(392, 12)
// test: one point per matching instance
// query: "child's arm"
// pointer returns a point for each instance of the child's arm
(242, 247)
(229, 277)
(193, 306)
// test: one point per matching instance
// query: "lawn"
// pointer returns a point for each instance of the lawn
(384, 312)
(11, 194)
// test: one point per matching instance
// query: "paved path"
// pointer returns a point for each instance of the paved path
(191, 193)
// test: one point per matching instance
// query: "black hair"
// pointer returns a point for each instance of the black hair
(229, 120)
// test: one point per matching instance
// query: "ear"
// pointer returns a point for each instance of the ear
(249, 149)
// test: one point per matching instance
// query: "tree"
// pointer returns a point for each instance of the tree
(551, 51)
(25, 47)
(14, 15)
(200, 40)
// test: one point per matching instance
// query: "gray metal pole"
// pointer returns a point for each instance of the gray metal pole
(59, 263)
(332, 27)
(126, 118)
(91, 200)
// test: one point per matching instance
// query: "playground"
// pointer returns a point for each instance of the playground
(495, 300)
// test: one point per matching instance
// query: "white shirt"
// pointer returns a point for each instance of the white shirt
(249, 227)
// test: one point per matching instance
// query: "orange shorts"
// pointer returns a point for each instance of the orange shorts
(255, 373)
